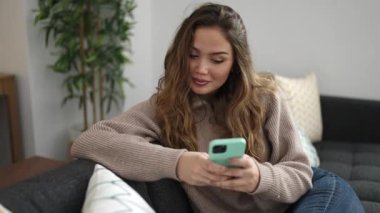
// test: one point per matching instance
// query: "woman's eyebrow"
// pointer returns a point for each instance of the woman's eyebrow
(213, 53)
(219, 53)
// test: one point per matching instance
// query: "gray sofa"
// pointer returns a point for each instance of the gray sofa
(350, 148)
(351, 145)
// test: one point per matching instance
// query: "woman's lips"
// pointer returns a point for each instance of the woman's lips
(200, 82)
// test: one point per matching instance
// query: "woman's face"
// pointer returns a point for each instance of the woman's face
(211, 60)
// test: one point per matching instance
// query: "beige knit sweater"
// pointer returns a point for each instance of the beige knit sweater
(123, 145)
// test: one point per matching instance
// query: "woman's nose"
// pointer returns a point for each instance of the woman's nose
(202, 67)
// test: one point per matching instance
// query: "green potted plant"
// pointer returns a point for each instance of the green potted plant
(91, 39)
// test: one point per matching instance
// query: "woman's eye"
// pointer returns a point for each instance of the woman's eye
(217, 61)
(193, 56)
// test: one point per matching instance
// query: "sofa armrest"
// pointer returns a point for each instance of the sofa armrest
(59, 190)
(349, 119)
(64, 190)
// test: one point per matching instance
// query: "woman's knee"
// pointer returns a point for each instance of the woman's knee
(330, 193)
(346, 197)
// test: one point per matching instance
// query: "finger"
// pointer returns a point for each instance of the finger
(244, 162)
(215, 168)
(202, 180)
(235, 172)
(216, 177)
(204, 155)
(200, 177)
(236, 184)
(210, 179)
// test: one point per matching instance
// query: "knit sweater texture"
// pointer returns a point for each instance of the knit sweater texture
(129, 145)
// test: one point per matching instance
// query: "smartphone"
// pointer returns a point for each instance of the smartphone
(221, 150)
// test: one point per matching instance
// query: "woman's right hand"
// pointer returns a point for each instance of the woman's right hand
(195, 168)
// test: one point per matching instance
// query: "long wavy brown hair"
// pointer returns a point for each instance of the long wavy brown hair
(240, 94)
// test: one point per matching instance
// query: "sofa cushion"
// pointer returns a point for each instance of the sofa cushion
(350, 119)
(359, 164)
(302, 95)
(106, 192)
(4, 210)
(64, 189)
(59, 190)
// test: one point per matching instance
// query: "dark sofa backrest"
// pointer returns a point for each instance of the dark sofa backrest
(349, 119)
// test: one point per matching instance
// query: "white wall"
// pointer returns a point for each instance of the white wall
(45, 124)
(337, 39)
(140, 70)
(51, 122)
(14, 59)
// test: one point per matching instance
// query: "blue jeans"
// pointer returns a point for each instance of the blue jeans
(330, 193)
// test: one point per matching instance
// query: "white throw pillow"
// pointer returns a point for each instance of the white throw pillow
(4, 210)
(303, 99)
(106, 192)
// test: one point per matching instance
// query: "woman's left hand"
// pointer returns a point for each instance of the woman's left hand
(244, 178)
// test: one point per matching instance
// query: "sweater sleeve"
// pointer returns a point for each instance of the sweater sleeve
(287, 174)
(124, 144)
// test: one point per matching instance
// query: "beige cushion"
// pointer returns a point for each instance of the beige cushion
(302, 95)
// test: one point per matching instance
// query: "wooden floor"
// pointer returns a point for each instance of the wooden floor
(25, 169)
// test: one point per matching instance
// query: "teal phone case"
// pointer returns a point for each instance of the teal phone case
(221, 150)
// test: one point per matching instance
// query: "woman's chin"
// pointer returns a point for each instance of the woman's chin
(200, 91)
(204, 94)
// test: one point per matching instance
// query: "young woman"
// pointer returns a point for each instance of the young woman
(209, 90)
